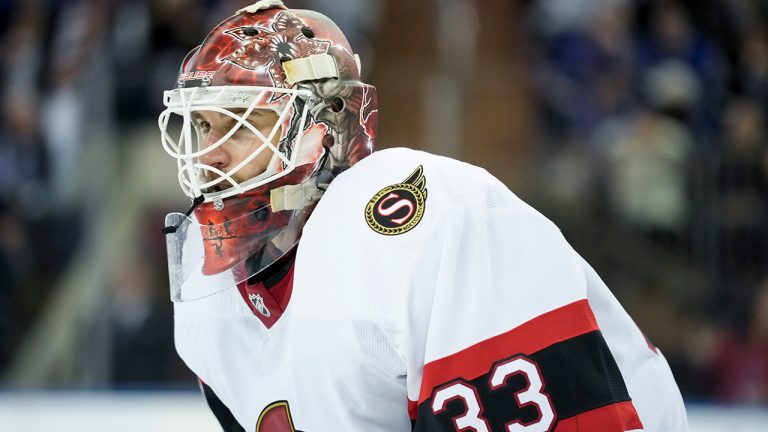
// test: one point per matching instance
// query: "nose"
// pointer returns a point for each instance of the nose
(217, 157)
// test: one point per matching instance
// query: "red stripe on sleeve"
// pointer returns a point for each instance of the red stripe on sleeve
(550, 328)
(413, 408)
(611, 418)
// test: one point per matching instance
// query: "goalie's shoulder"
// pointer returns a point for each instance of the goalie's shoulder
(449, 183)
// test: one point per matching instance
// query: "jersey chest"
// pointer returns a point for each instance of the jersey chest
(306, 371)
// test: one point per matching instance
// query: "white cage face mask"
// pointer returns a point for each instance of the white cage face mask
(233, 139)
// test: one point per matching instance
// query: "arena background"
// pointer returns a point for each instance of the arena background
(638, 126)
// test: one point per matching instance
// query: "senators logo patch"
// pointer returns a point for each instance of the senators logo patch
(398, 208)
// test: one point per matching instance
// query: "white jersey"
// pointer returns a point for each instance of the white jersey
(426, 296)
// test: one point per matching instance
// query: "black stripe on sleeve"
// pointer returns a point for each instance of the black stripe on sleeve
(579, 375)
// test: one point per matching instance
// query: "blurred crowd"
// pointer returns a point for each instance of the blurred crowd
(652, 121)
(651, 148)
(76, 76)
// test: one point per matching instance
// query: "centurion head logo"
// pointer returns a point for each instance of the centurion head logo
(398, 208)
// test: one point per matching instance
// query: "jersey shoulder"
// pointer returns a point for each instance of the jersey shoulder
(382, 228)
(401, 220)
(448, 183)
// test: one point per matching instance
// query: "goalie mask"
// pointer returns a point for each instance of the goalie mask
(266, 112)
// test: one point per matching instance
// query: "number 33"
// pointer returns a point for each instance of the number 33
(472, 419)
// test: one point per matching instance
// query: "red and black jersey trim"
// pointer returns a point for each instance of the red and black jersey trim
(222, 413)
(580, 377)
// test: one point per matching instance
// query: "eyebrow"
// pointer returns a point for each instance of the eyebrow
(229, 122)
(241, 111)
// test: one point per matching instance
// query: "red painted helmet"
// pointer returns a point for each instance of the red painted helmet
(257, 181)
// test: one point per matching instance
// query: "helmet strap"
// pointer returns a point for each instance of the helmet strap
(173, 228)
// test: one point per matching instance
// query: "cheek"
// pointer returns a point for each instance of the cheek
(237, 150)
(259, 163)
(266, 131)
(262, 159)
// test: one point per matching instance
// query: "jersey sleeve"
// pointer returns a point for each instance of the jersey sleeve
(506, 340)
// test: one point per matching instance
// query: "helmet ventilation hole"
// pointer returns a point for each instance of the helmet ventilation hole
(306, 31)
(336, 104)
(328, 141)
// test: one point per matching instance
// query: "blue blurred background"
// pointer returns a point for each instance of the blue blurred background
(638, 126)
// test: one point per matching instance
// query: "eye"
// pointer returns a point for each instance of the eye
(203, 126)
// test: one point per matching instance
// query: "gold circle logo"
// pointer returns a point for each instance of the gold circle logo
(398, 208)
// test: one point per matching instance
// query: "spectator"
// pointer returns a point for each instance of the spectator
(23, 159)
(585, 73)
(742, 191)
(648, 158)
(647, 175)
(672, 35)
(754, 66)
(739, 366)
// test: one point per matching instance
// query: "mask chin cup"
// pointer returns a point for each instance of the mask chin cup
(203, 259)
(213, 250)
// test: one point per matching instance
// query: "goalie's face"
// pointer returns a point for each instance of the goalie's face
(213, 126)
